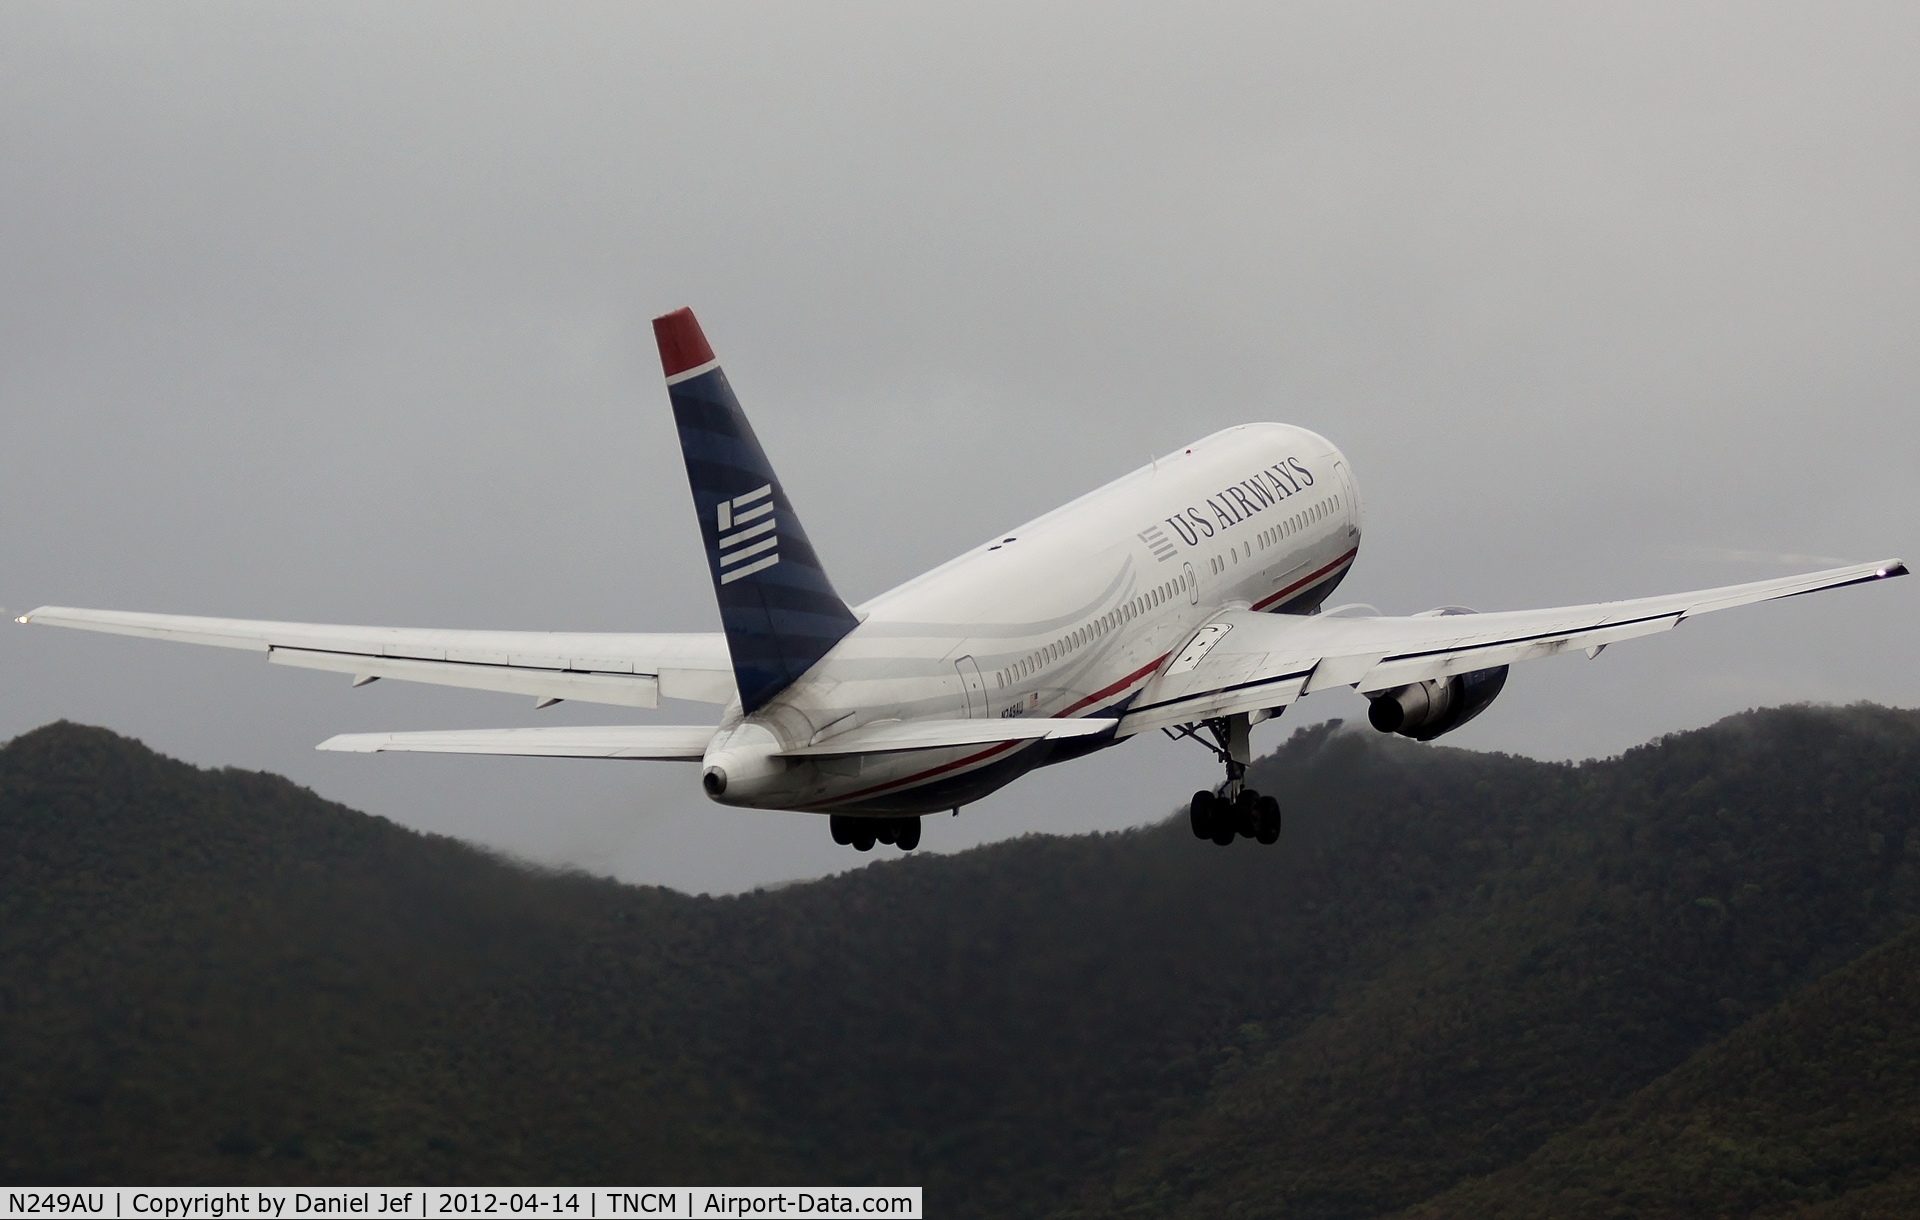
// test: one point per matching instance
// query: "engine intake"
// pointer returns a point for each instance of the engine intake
(1425, 710)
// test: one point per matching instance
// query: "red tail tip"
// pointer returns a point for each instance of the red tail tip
(682, 346)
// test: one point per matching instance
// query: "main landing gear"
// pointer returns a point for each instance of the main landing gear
(862, 833)
(1232, 810)
(1250, 815)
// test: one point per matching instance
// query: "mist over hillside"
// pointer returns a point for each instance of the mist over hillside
(1451, 965)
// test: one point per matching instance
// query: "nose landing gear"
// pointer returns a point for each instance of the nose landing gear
(1233, 810)
(862, 833)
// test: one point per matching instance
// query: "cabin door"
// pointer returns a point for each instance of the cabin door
(975, 686)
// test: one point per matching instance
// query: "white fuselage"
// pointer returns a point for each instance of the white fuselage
(1072, 614)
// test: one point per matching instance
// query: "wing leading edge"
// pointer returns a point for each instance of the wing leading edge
(629, 669)
(1243, 661)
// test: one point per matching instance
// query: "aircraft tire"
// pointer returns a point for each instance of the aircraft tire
(1246, 813)
(883, 829)
(907, 836)
(1224, 832)
(838, 826)
(862, 837)
(1200, 815)
(1267, 818)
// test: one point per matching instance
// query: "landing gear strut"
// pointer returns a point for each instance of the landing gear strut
(1232, 810)
(862, 833)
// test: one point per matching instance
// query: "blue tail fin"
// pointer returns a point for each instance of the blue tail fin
(779, 609)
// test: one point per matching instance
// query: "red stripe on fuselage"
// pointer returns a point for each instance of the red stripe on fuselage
(1137, 675)
(1116, 688)
(1106, 692)
(1304, 581)
(989, 752)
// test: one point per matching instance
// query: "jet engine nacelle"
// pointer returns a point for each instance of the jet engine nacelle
(1425, 710)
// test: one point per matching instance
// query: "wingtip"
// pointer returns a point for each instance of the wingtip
(683, 345)
(1897, 568)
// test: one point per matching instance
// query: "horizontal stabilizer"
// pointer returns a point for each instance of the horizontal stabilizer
(664, 742)
(895, 736)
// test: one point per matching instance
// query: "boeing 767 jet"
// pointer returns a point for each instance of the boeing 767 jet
(1185, 597)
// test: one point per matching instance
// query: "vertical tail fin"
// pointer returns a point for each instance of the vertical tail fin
(779, 610)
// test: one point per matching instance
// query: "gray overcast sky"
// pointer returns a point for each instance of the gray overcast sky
(339, 313)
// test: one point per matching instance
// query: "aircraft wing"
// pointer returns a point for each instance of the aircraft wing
(1242, 661)
(667, 742)
(634, 670)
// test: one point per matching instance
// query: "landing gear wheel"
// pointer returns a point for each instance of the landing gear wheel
(1232, 809)
(1245, 820)
(862, 836)
(883, 830)
(1200, 815)
(1224, 831)
(838, 826)
(1267, 820)
(907, 836)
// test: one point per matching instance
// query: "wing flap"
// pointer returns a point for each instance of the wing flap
(1389, 674)
(697, 685)
(1332, 671)
(1277, 690)
(625, 689)
(659, 742)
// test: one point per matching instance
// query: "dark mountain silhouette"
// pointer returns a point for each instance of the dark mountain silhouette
(1581, 930)
(1812, 1109)
(1452, 963)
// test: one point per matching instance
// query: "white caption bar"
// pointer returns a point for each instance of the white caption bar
(566, 1202)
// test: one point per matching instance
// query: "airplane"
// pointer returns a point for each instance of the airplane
(1185, 598)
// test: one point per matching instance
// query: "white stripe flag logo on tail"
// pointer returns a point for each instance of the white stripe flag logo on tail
(750, 520)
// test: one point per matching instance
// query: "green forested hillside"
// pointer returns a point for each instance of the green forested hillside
(1450, 959)
(218, 976)
(1811, 1109)
(1575, 944)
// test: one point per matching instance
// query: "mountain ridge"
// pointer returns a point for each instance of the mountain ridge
(1451, 960)
(1812, 1107)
